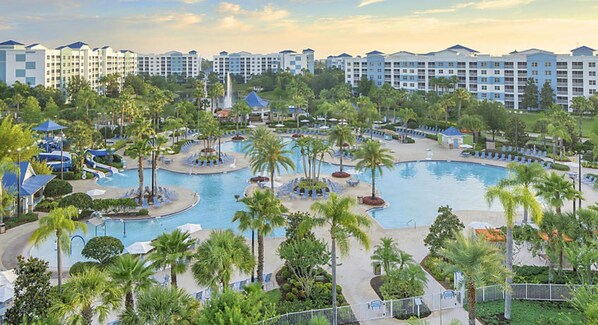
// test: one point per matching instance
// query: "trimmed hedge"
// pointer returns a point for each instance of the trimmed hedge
(81, 201)
(142, 212)
(432, 137)
(58, 187)
(21, 220)
(72, 176)
(561, 167)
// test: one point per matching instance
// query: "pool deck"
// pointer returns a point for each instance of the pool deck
(355, 269)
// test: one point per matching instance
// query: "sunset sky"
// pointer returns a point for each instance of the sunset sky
(327, 26)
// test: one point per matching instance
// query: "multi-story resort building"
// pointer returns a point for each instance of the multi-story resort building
(338, 61)
(246, 64)
(37, 65)
(498, 78)
(171, 63)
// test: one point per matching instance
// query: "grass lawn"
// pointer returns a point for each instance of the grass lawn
(530, 119)
(530, 312)
(272, 296)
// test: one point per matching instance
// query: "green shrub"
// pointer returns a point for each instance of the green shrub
(409, 140)
(412, 125)
(102, 248)
(21, 220)
(46, 205)
(58, 187)
(81, 201)
(432, 136)
(79, 267)
(142, 212)
(107, 206)
(84, 214)
(119, 144)
(539, 274)
(561, 167)
(397, 285)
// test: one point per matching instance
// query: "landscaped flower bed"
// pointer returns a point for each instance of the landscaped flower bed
(319, 187)
(238, 138)
(341, 175)
(258, 179)
(297, 135)
(368, 200)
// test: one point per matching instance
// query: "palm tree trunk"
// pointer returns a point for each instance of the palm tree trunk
(154, 173)
(333, 263)
(272, 180)
(260, 257)
(140, 174)
(341, 151)
(459, 110)
(509, 265)
(373, 182)
(471, 301)
(129, 304)
(173, 280)
(525, 215)
(87, 314)
(59, 260)
(253, 255)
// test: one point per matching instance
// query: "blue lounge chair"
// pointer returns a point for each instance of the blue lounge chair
(476, 154)
(509, 158)
(503, 157)
(483, 155)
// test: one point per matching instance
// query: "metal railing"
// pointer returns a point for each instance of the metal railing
(424, 305)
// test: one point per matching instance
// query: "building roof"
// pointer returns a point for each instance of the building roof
(308, 50)
(461, 47)
(77, 45)
(287, 51)
(193, 52)
(49, 126)
(452, 131)
(344, 55)
(375, 52)
(531, 51)
(11, 42)
(30, 182)
(583, 48)
(255, 101)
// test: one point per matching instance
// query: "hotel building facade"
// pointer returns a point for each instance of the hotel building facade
(170, 64)
(37, 65)
(246, 64)
(497, 78)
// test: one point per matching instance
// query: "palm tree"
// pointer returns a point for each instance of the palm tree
(86, 294)
(219, 256)
(479, 261)
(269, 216)
(526, 176)
(373, 157)
(341, 135)
(247, 221)
(138, 150)
(388, 254)
(555, 189)
(131, 275)
(59, 222)
(270, 155)
(341, 223)
(473, 123)
(214, 91)
(239, 109)
(172, 250)
(162, 306)
(582, 105)
(156, 148)
(554, 232)
(6, 166)
(461, 95)
(511, 198)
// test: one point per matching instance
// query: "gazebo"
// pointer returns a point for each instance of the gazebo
(259, 106)
(47, 127)
(452, 138)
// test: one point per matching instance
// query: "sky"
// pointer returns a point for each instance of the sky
(330, 27)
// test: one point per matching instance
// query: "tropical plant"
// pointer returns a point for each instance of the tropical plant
(388, 254)
(341, 136)
(373, 157)
(138, 150)
(442, 229)
(162, 306)
(32, 291)
(556, 190)
(554, 233)
(156, 149)
(131, 275)
(172, 250)
(480, 263)
(102, 248)
(59, 222)
(312, 153)
(404, 283)
(304, 258)
(341, 223)
(243, 308)
(473, 123)
(215, 91)
(239, 110)
(511, 198)
(86, 295)
(270, 154)
(219, 257)
(525, 175)
(461, 95)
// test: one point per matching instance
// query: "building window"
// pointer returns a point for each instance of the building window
(547, 73)
(484, 87)
(534, 64)
(20, 57)
(484, 72)
(440, 71)
(496, 80)
(451, 71)
(547, 64)
(534, 73)
(30, 65)
(496, 87)
(484, 79)
(497, 64)
(483, 64)
(20, 73)
(592, 82)
(496, 71)
(30, 80)
(497, 96)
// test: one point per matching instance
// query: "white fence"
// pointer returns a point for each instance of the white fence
(424, 305)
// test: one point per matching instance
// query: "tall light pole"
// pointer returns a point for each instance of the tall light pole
(219, 123)
(579, 157)
(19, 179)
(61, 135)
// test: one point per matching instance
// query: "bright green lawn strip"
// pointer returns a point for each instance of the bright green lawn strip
(272, 296)
(530, 312)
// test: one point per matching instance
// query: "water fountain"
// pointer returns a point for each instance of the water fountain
(228, 96)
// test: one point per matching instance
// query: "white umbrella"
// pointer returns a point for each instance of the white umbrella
(353, 172)
(8, 277)
(95, 192)
(277, 184)
(251, 126)
(343, 123)
(466, 146)
(140, 247)
(324, 127)
(304, 121)
(279, 125)
(190, 227)
(6, 293)
(332, 119)
(321, 118)
(377, 122)
(480, 225)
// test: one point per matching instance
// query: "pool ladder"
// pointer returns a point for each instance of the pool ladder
(414, 223)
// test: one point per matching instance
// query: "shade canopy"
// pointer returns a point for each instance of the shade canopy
(95, 192)
(8, 277)
(324, 127)
(49, 126)
(190, 227)
(255, 101)
(7, 292)
(452, 131)
(304, 121)
(251, 126)
(139, 248)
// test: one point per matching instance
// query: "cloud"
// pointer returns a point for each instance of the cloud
(229, 8)
(268, 13)
(363, 3)
(480, 5)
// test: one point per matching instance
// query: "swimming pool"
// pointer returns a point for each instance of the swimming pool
(414, 190)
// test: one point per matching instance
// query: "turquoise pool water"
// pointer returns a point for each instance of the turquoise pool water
(414, 191)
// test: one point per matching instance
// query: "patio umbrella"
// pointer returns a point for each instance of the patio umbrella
(321, 118)
(8, 277)
(324, 127)
(480, 225)
(190, 227)
(466, 146)
(277, 184)
(251, 126)
(140, 248)
(332, 119)
(279, 125)
(304, 121)
(6, 293)
(353, 172)
(95, 192)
